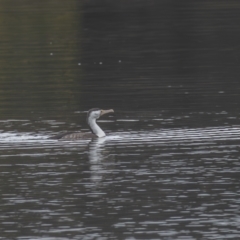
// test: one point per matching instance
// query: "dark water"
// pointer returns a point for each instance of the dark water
(169, 167)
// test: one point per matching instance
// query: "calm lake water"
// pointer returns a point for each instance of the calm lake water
(169, 167)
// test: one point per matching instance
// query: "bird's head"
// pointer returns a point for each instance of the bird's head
(96, 113)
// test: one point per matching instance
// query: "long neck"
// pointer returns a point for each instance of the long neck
(95, 128)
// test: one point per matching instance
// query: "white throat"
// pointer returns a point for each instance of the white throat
(95, 128)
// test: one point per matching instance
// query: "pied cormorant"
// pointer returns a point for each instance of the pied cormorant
(92, 115)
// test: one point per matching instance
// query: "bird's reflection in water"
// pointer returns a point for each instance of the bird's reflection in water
(98, 154)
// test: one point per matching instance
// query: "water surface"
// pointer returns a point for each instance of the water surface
(169, 166)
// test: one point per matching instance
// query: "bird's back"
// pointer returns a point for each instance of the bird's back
(74, 136)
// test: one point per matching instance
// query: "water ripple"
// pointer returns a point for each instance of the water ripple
(162, 183)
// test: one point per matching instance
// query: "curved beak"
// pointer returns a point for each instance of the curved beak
(106, 111)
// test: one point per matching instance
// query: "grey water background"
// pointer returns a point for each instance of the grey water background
(169, 167)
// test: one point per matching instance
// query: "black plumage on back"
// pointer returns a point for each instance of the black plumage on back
(73, 136)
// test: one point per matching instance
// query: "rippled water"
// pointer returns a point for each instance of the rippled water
(160, 183)
(169, 166)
